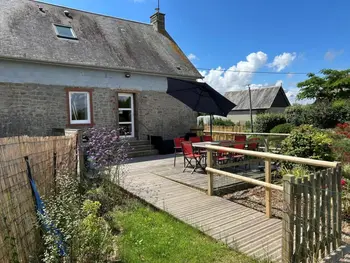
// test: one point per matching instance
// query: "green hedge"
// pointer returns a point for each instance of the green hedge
(265, 122)
(320, 114)
(282, 128)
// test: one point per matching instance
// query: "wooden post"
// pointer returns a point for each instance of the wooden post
(298, 246)
(266, 140)
(268, 190)
(288, 219)
(339, 203)
(210, 175)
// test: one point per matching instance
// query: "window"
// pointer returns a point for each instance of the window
(126, 114)
(79, 107)
(65, 32)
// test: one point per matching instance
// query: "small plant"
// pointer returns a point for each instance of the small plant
(298, 171)
(94, 242)
(343, 129)
(265, 122)
(282, 128)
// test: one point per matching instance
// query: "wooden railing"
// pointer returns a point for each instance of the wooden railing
(312, 205)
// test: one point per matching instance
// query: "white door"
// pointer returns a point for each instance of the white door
(126, 114)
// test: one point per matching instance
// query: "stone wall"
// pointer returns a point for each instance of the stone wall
(35, 109)
(160, 114)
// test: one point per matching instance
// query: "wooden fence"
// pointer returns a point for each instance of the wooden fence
(312, 205)
(312, 216)
(47, 157)
(222, 133)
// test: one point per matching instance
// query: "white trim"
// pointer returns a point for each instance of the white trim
(132, 122)
(88, 121)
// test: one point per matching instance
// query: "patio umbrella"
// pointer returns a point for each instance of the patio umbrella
(200, 97)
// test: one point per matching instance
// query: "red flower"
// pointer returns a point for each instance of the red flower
(343, 182)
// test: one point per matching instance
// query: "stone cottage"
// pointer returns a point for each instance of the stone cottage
(65, 68)
(264, 100)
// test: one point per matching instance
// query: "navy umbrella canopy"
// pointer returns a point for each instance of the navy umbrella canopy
(199, 97)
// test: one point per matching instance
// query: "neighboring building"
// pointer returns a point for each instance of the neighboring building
(66, 68)
(264, 100)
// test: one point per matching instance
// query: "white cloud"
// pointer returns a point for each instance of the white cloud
(332, 54)
(192, 56)
(282, 61)
(292, 94)
(279, 83)
(228, 80)
(290, 75)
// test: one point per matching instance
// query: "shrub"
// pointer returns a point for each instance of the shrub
(341, 149)
(295, 115)
(282, 128)
(321, 114)
(265, 122)
(309, 142)
(94, 242)
(223, 122)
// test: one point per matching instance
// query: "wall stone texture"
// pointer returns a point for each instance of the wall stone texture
(159, 114)
(35, 109)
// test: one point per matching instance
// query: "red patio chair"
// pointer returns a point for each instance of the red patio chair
(178, 148)
(253, 144)
(195, 139)
(238, 156)
(207, 138)
(240, 138)
(222, 156)
(190, 155)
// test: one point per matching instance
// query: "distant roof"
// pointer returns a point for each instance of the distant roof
(262, 98)
(103, 41)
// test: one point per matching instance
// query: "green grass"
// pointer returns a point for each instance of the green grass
(152, 236)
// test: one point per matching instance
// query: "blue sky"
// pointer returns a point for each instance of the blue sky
(254, 35)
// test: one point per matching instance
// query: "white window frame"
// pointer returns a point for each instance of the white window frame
(88, 121)
(132, 122)
(74, 36)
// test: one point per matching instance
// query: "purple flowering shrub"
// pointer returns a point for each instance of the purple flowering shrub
(105, 148)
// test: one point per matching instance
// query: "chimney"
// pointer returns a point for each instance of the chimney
(158, 22)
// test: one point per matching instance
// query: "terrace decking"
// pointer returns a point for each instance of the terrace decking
(155, 180)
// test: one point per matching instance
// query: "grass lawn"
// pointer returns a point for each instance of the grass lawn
(152, 236)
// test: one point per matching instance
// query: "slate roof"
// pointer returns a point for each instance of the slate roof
(262, 98)
(103, 41)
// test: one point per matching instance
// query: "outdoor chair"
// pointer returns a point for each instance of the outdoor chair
(207, 138)
(178, 148)
(253, 144)
(240, 138)
(190, 155)
(195, 139)
(237, 156)
(222, 156)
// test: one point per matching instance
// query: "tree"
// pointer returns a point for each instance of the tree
(333, 85)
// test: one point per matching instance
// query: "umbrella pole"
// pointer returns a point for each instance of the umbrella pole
(211, 125)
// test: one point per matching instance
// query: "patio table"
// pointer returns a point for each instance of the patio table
(199, 145)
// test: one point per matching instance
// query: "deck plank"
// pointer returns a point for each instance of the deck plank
(157, 182)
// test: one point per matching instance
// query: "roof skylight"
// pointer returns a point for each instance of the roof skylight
(65, 32)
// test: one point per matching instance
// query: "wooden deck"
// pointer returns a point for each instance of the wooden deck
(155, 180)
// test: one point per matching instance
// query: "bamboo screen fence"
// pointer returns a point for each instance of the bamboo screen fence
(47, 157)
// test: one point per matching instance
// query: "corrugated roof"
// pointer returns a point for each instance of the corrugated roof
(103, 41)
(262, 98)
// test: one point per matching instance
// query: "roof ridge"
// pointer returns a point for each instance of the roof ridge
(262, 88)
(89, 12)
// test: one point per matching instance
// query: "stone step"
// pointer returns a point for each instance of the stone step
(133, 154)
(138, 142)
(137, 148)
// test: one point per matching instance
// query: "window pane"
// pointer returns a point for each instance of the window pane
(124, 116)
(79, 106)
(65, 31)
(125, 129)
(124, 102)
